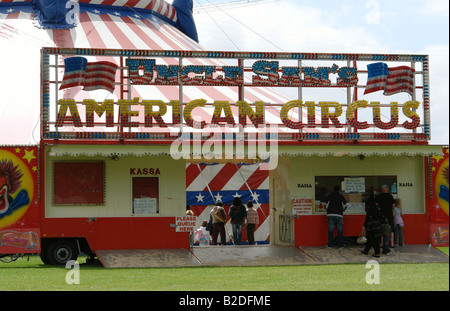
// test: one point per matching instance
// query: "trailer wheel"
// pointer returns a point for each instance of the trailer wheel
(44, 256)
(61, 251)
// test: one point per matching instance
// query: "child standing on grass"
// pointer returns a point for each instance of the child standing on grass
(398, 224)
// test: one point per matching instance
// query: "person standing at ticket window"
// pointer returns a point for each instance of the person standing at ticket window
(336, 206)
(386, 203)
(252, 222)
(237, 213)
(219, 217)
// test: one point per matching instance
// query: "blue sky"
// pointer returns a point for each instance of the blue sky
(398, 24)
(367, 26)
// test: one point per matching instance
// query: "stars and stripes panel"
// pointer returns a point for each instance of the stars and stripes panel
(207, 183)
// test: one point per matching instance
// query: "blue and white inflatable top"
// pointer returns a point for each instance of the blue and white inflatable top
(58, 14)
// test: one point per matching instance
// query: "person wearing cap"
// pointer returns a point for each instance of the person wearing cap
(218, 217)
(387, 203)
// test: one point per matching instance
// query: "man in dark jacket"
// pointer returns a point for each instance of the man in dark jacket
(372, 227)
(237, 213)
(386, 203)
(336, 206)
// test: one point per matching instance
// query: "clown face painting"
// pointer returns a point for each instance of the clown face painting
(10, 181)
(19, 203)
(4, 201)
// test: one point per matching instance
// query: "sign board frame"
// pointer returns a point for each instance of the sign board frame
(267, 70)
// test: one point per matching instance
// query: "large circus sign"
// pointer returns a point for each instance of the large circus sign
(144, 94)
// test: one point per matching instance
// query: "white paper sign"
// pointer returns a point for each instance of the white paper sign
(354, 184)
(185, 223)
(302, 206)
(143, 206)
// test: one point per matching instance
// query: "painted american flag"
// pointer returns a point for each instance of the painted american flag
(207, 183)
(390, 80)
(91, 75)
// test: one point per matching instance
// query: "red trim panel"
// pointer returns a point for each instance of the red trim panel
(312, 230)
(119, 233)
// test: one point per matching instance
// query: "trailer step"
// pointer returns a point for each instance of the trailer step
(147, 258)
(266, 255)
(251, 255)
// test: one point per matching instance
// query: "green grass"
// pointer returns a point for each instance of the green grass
(443, 249)
(32, 275)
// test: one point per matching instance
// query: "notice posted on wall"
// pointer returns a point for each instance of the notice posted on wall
(185, 223)
(354, 184)
(144, 206)
(302, 206)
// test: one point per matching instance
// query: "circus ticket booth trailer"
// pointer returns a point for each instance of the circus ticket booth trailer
(132, 133)
(114, 173)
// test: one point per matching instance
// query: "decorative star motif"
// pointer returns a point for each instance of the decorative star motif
(29, 155)
(218, 197)
(199, 197)
(255, 196)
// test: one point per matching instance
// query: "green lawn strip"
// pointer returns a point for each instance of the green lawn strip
(33, 275)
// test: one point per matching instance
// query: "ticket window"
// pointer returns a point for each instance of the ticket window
(355, 189)
(145, 195)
